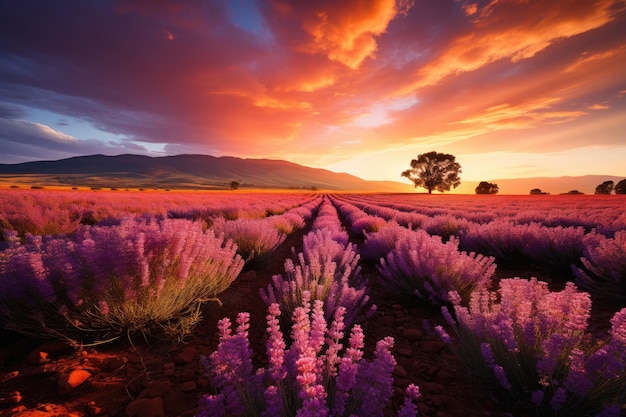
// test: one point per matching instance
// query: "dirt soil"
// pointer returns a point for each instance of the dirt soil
(153, 379)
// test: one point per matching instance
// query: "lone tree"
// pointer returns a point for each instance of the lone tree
(434, 171)
(605, 188)
(487, 188)
(620, 187)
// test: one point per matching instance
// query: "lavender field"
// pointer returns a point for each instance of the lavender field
(526, 293)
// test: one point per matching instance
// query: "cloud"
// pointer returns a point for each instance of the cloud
(21, 141)
(514, 30)
(343, 31)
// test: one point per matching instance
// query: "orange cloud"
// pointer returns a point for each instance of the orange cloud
(345, 31)
(537, 26)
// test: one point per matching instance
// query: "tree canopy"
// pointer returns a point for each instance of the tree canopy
(487, 188)
(605, 188)
(434, 171)
(620, 187)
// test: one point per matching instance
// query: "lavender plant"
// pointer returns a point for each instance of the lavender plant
(255, 238)
(423, 267)
(604, 266)
(105, 281)
(316, 376)
(532, 345)
(327, 270)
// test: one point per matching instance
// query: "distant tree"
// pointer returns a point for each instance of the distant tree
(537, 191)
(434, 171)
(574, 192)
(487, 188)
(234, 185)
(620, 187)
(605, 188)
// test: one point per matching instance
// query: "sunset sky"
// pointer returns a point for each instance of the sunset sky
(512, 88)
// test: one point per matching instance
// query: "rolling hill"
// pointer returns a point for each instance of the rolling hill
(187, 172)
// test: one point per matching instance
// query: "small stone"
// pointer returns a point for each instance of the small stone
(433, 346)
(412, 334)
(185, 356)
(147, 407)
(159, 388)
(188, 374)
(406, 352)
(37, 357)
(400, 372)
(73, 380)
(13, 399)
(247, 276)
(445, 377)
(10, 375)
(188, 386)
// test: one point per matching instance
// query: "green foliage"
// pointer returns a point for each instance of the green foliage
(434, 171)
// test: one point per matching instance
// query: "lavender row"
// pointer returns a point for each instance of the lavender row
(323, 371)
(590, 212)
(327, 268)
(44, 212)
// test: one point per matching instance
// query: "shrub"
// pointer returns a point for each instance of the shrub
(254, 238)
(380, 243)
(106, 281)
(604, 262)
(326, 270)
(531, 344)
(316, 376)
(423, 267)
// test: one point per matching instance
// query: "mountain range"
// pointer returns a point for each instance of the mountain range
(209, 172)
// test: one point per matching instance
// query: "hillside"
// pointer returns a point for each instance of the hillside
(187, 172)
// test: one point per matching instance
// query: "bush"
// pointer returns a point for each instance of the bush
(326, 270)
(604, 266)
(316, 376)
(255, 238)
(423, 267)
(106, 281)
(532, 346)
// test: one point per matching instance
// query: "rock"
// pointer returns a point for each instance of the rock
(185, 356)
(188, 386)
(433, 346)
(106, 363)
(247, 276)
(159, 388)
(188, 374)
(413, 334)
(12, 399)
(152, 407)
(402, 351)
(72, 380)
(37, 357)
(445, 377)
(58, 348)
(400, 372)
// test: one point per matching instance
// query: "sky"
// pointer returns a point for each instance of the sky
(511, 88)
